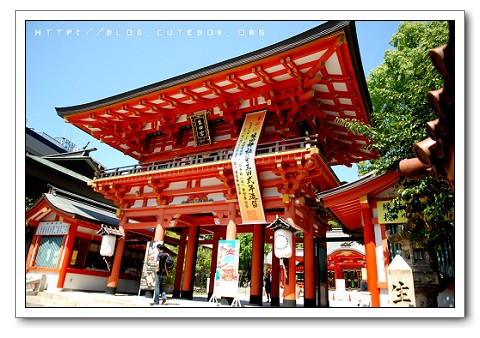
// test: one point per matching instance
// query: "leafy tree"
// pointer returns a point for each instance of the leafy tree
(28, 203)
(245, 259)
(398, 90)
(202, 267)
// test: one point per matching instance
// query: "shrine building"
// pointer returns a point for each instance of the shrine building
(229, 148)
(361, 207)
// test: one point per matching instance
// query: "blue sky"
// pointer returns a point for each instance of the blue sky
(74, 62)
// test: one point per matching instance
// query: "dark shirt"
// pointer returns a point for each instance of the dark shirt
(268, 283)
(162, 258)
(363, 285)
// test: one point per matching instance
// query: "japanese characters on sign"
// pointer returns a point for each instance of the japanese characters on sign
(52, 228)
(384, 215)
(400, 293)
(401, 287)
(200, 129)
(244, 170)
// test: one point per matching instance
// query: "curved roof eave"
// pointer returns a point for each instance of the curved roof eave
(81, 211)
(358, 249)
(285, 45)
(58, 168)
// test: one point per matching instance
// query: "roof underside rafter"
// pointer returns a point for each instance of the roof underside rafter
(315, 76)
(345, 201)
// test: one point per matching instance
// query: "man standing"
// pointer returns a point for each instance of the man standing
(161, 275)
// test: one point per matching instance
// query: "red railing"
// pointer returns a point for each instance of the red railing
(202, 158)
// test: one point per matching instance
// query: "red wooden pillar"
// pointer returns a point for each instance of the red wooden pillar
(289, 298)
(309, 268)
(256, 283)
(67, 255)
(275, 296)
(290, 294)
(188, 277)
(213, 266)
(160, 230)
(232, 226)
(179, 264)
(112, 283)
(32, 251)
(370, 251)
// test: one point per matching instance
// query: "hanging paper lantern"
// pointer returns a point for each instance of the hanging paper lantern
(108, 245)
(283, 243)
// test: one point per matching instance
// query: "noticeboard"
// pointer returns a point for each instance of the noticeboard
(147, 279)
(226, 275)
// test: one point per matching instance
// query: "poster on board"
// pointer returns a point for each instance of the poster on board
(226, 275)
(147, 279)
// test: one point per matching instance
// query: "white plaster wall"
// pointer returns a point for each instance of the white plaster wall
(267, 175)
(182, 118)
(97, 283)
(137, 204)
(133, 190)
(384, 298)
(177, 200)
(222, 137)
(50, 217)
(382, 275)
(218, 196)
(270, 192)
(85, 282)
(208, 182)
(152, 202)
(177, 186)
(244, 104)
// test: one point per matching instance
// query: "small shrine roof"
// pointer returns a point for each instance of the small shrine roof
(344, 201)
(109, 230)
(347, 244)
(318, 71)
(81, 207)
(60, 169)
(281, 223)
(78, 161)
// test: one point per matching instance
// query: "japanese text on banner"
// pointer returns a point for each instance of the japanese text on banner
(244, 170)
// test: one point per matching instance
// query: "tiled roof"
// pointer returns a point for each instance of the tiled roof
(82, 207)
(315, 76)
(344, 202)
(59, 168)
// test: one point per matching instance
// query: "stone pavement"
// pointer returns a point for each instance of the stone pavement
(60, 298)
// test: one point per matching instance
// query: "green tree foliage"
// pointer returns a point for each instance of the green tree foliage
(245, 259)
(202, 267)
(398, 90)
(171, 275)
(28, 203)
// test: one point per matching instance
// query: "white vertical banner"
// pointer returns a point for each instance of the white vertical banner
(244, 170)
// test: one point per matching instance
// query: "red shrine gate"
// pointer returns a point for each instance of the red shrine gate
(183, 132)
